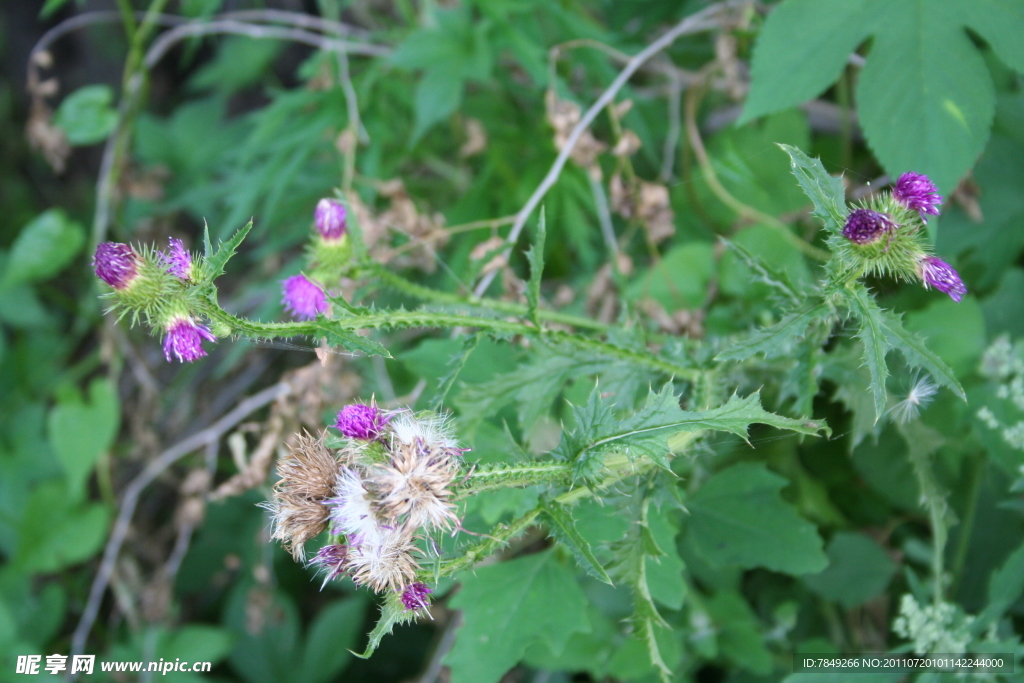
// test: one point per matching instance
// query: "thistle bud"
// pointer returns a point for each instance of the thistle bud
(864, 226)
(935, 272)
(916, 192)
(414, 597)
(303, 298)
(360, 421)
(184, 337)
(330, 217)
(116, 264)
(178, 260)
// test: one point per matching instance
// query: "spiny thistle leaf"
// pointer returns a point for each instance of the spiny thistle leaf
(535, 256)
(917, 354)
(336, 336)
(826, 192)
(765, 274)
(563, 529)
(215, 263)
(455, 365)
(872, 335)
(777, 339)
(391, 612)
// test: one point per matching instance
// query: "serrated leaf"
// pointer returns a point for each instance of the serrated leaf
(872, 335)
(777, 339)
(825, 191)
(455, 365)
(777, 280)
(535, 256)
(1005, 586)
(227, 249)
(563, 529)
(334, 335)
(737, 518)
(392, 613)
(917, 354)
(43, 248)
(508, 606)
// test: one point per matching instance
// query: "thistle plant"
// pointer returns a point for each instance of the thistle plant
(386, 494)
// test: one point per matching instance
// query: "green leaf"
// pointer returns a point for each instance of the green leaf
(1004, 588)
(738, 519)
(86, 115)
(679, 280)
(196, 642)
(800, 52)
(216, 263)
(508, 606)
(563, 529)
(438, 95)
(392, 613)
(777, 339)
(665, 569)
(55, 532)
(777, 280)
(51, 7)
(858, 570)
(337, 336)
(917, 354)
(740, 636)
(80, 433)
(332, 634)
(455, 365)
(826, 192)
(43, 248)
(535, 256)
(872, 335)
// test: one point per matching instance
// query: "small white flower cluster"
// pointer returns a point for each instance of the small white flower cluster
(933, 628)
(1002, 363)
(389, 483)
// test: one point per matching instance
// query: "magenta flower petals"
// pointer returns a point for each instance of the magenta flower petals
(116, 264)
(178, 260)
(303, 298)
(915, 191)
(184, 340)
(938, 274)
(330, 217)
(414, 597)
(864, 226)
(360, 421)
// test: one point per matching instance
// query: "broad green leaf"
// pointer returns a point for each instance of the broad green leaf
(335, 335)
(392, 613)
(738, 519)
(240, 62)
(198, 643)
(777, 280)
(873, 336)
(807, 40)
(740, 635)
(680, 278)
(55, 532)
(225, 251)
(563, 529)
(1004, 588)
(507, 607)
(825, 191)
(438, 95)
(269, 654)
(81, 432)
(535, 256)
(86, 115)
(43, 248)
(332, 634)
(954, 332)
(665, 571)
(777, 339)
(455, 365)
(858, 570)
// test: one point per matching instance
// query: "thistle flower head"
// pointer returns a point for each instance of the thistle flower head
(116, 264)
(361, 421)
(183, 338)
(934, 272)
(386, 565)
(330, 217)
(915, 191)
(352, 511)
(414, 597)
(434, 430)
(331, 560)
(303, 298)
(178, 259)
(299, 511)
(414, 486)
(922, 392)
(864, 226)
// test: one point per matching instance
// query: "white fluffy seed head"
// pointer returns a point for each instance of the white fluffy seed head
(407, 428)
(386, 564)
(352, 510)
(413, 487)
(921, 393)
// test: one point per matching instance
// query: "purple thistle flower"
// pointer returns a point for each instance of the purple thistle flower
(116, 264)
(178, 260)
(331, 559)
(330, 217)
(303, 298)
(184, 339)
(360, 421)
(864, 226)
(414, 597)
(915, 191)
(937, 273)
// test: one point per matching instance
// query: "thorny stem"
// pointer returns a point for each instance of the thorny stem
(935, 503)
(524, 474)
(617, 466)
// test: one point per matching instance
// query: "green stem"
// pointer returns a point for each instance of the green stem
(422, 293)
(935, 504)
(977, 465)
(520, 474)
